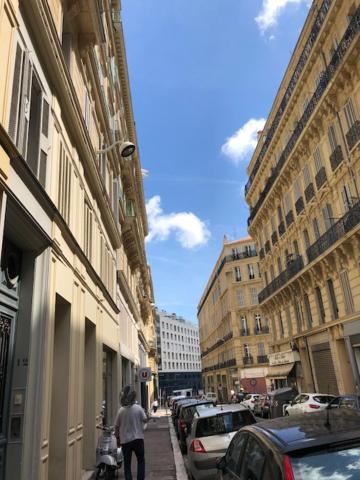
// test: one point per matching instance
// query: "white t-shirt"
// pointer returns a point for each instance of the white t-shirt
(129, 423)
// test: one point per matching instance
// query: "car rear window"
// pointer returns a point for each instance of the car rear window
(189, 412)
(323, 398)
(332, 463)
(223, 423)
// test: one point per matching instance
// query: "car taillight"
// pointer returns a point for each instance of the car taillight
(197, 447)
(289, 474)
(315, 407)
(182, 424)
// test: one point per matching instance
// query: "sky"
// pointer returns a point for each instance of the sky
(203, 75)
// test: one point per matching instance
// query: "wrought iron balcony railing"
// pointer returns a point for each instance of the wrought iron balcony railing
(292, 268)
(289, 218)
(262, 359)
(245, 332)
(217, 344)
(299, 205)
(335, 232)
(262, 331)
(274, 238)
(327, 76)
(309, 192)
(248, 360)
(320, 178)
(281, 228)
(336, 158)
(316, 27)
(353, 135)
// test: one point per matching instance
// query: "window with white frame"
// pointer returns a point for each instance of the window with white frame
(297, 188)
(261, 349)
(251, 272)
(258, 323)
(350, 114)
(247, 350)
(240, 298)
(64, 185)
(332, 137)
(88, 225)
(243, 325)
(348, 298)
(237, 274)
(306, 175)
(317, 159)
(254, 296)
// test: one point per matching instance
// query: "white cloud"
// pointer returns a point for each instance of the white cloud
(189, 230)
(243, 142)
(271, 10)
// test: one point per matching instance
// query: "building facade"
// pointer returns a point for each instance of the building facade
(179, 353)
(303, 192)
(76, 320)
(233, 334)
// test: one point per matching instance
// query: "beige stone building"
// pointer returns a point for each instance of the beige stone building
(303, 192)
(233, 335)
(76, 317)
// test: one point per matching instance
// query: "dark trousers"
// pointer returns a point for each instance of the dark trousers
(136, 446)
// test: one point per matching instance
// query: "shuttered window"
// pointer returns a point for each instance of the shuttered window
(297, 188)
(332, 297)
(328, 216)
(332, 137)
(306, 174)
(320, 305)
(254, 296)
(349, 111)
(88, 230)
(65, 178)
(316, 228)
(348, 298)
(240, 297)
(317, 159)
(298, 315)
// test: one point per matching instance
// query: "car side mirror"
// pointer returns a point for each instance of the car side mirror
(221, 464)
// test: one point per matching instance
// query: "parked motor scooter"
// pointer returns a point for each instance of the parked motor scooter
(109, 457)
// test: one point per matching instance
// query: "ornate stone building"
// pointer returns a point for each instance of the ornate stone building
(303, 192)
(233, 335)
(76, 316)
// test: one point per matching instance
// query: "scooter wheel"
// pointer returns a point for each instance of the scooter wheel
(109, 473)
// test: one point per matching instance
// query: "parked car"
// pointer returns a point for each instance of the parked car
(275, 401)
(211, 396)
(176, 409)
(185, 418)
(296, 448)
(249, 400)
(257, 410)
(308, 403)
(211, 433)
(346, 401)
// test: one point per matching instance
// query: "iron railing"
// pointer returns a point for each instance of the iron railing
(309, 192)
(353, 135)
(245, 332)
(336, 157)
(327, 75)
(316, 27)
(289, 218)
(261, 331)
(320, 178)
(262, 359)
(335, 232)
(281, 228)
(299, 205)
(292, 268)
(248, 360)
(274, 238)
(217, 344)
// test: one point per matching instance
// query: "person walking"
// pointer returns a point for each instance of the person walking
(129, 432)
(155, 405)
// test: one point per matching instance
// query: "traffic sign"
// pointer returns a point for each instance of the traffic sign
(144, 374)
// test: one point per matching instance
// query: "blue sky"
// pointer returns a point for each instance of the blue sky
(201, 72)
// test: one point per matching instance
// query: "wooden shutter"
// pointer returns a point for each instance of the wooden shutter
(16, 93)
(25, 106)
(44, 141)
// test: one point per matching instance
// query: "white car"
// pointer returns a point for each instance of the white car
(211, 396)
(308, 403)
(249, 400)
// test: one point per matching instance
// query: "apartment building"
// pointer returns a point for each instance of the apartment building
(179, 353)
(76, 317)
(234, 336)
(303, 192)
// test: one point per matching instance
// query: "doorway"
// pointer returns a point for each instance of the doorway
(89, 395)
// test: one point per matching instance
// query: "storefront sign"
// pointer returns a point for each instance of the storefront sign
(144, 374)
(281, 358)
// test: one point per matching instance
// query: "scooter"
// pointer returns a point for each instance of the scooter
(109, 457)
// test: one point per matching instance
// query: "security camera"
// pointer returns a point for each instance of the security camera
(127, 149)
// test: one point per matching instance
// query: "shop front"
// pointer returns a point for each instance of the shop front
(352, 342)
(284, 369)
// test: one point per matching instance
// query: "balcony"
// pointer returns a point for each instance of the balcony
(336, 158)
(261, 331)
(274, 238)
(309, 192)
(350, 220)
(248, 360)
(306, 52)
(353, 135)
(267, 246)
(282, 228)
(262, 359)
(292, 268)
(299, 205)
(261, 254)
(320, 178)
(245, 332)
(241, 255)
(289, 218)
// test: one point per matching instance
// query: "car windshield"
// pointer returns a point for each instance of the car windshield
(330, 464)
(323, 398)
(223, 423)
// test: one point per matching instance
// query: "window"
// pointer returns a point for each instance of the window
(306, 239)
(349, 113)
(298, 315)
(297, 188)
(332, 137)
(247, 350)
(296, 248)
(253, 460)
(237, 274)
(280, 216)
(307, 311)
(87, 110)
(88, 231)
(348, 298)
(306, 175)
(29, 114)
(240, 297)
(251, 272)
(64, 193)
(320, 305)
(317, 159)
(288, 320)
(258, 325)
(281, 325)
(333, 303)
(316, 228)
(243, 325)
(328, 216)
(346, 197)
(261, 349)
(287, 202)
(254, 296)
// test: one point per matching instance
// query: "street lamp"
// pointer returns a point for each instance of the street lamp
(126, 148)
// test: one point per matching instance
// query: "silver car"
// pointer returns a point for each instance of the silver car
(211, 433)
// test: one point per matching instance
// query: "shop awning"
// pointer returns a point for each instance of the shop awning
(280, 371)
